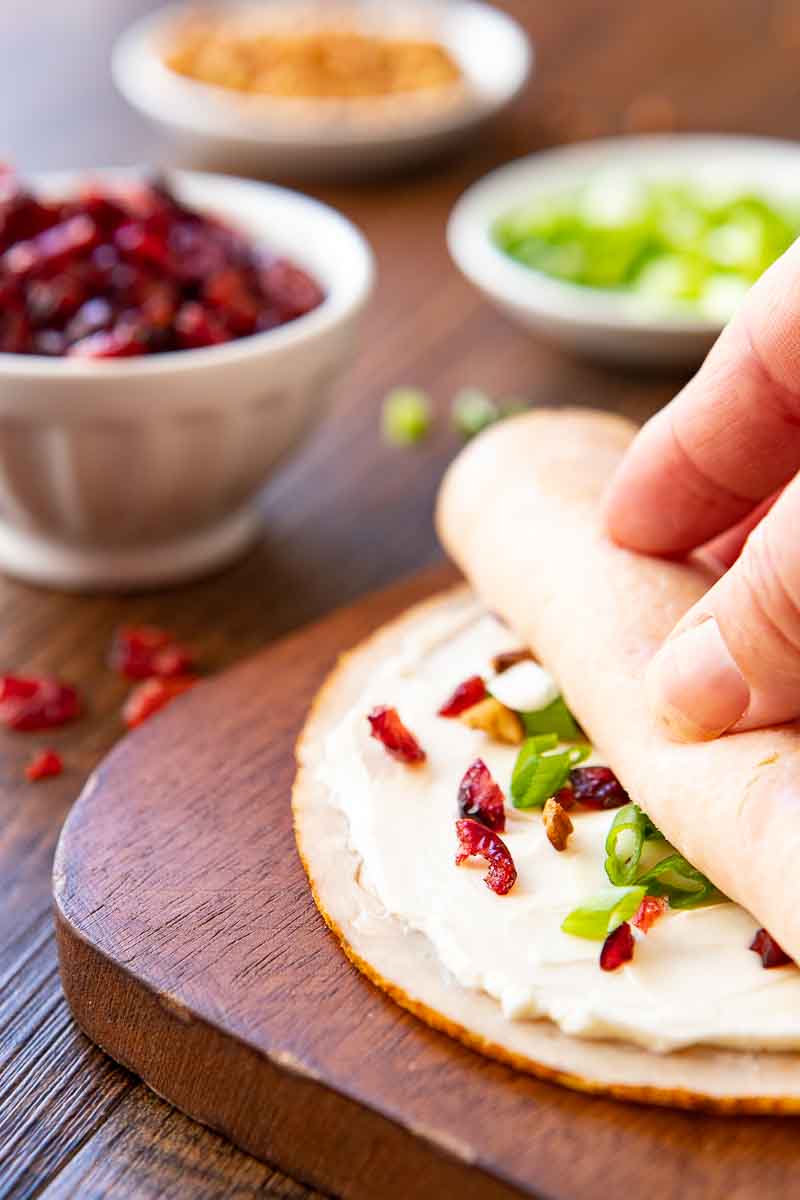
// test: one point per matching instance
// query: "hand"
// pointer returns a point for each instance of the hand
(717, 469)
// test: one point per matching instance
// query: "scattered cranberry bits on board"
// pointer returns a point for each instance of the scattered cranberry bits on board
(33, 703)
(127, 269)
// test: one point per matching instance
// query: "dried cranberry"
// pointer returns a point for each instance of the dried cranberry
(229, 293)
(136, 243)
(476, 839)
(90, 318)
(146, 651)
(597, 787)
(120, 342)
(48, 252)
(480, 797)
(772, 955)
(15, 333)
(195, 326)
(28, 703)
(106, 212)
(466, 695)
(649, 911)
(49, 341)
(386, 726)
(153, 695)
(290, 289)
(43, 765)
(617, 948)
(565, 797)
(53, 301)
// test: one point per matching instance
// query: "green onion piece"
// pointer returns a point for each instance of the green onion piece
(602, 913)
(629, 831)
(406, 416)
(525, 766)
(539, 771)
(555, 718)
(682, 884)
(578, 753)
(473, 411)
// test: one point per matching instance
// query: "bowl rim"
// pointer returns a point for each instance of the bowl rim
(512, 284)
(340, 304)
(175, 99)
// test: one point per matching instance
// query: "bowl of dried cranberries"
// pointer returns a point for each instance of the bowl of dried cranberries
(164, 341)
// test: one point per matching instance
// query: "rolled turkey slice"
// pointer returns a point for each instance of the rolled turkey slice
(520, 512)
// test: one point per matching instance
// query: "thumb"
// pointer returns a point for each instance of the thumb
(733, 662)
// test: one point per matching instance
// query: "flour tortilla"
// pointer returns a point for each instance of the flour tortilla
(405, 965)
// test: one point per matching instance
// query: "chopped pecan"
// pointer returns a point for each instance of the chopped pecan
(499, 722)
(557, 824)
(510, 658)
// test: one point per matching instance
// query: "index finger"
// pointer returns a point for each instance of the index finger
(729, 439)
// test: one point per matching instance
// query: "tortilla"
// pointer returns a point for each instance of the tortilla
(519, 511)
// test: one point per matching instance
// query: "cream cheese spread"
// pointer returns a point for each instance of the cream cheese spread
(692, 980)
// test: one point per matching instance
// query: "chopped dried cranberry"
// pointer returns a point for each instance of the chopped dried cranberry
(565, 797)
(229, 292)
(120, 342)
(90, 318)
(15, 332)
(146, 651)
(151, 696)
(49, 341)
(134, 264)
(28, 703)
(195, 326)
(597, 787)
(476, 839)
(290, 289)
(51, 250)
(510, 658)
(136, 243)
(43, 765)
(53, 301)
(617, 948)
(467, 695)
(390, 731)
(649, 911)
(772, 955)
(480, 797)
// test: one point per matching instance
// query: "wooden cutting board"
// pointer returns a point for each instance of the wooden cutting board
(192, 952)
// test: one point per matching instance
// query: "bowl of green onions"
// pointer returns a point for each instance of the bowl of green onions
(635, 249)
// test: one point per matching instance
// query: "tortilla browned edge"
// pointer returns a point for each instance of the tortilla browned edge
(403, 963)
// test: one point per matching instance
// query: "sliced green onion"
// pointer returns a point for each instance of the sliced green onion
(406, 416)
(539, 772)
(682, 884)
(625, 842)
(555, 718)
(525, 766)
(473, 411)
(602, 913)
(579, 752)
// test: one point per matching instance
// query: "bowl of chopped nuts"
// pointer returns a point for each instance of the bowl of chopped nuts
(350, 86)
(163, 344)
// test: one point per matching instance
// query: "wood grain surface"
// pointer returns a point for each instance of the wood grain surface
(191, 949)
(345, 515)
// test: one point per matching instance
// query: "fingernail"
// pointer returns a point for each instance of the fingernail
(694, 687)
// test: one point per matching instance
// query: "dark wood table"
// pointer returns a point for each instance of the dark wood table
(345, 515)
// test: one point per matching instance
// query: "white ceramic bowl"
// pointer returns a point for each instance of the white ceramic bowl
(331, 136)
(589, 322)
(144, 471)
